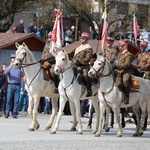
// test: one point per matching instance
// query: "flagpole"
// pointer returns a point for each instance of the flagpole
(132, 35)
(100, 33)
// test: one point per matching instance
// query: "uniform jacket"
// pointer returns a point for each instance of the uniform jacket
(143, 60)
(125, 61)
(83, 54)
(110, 54)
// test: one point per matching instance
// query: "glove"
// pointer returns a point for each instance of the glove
(41, 61)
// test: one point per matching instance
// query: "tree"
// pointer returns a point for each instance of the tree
(8, 8)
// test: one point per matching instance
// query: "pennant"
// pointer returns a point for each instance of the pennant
(57, 33)
(105, 27)
(135, 27)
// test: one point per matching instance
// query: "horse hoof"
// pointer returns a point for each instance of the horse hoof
(118, 135)
(79, 132)
(107, 130)
(53, 132)
(94, 131)
(73, 129)
(89, 127)
(135, 135)
(37, 127)
(110, 126)
(97, 135)
(140, 134)
(47, 127)
(31, 129)
(144, 128)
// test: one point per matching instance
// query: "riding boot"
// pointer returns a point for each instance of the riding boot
(56, 82)
(88, 86)
(127, 90)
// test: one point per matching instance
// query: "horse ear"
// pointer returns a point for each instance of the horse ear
(24, 44)
(17, 45)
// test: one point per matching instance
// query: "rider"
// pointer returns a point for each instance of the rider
(82, 57)
(110, 52)
(143, 60)
(124, 67)
(48, 62)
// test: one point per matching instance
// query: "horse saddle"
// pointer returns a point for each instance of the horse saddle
(46, 74)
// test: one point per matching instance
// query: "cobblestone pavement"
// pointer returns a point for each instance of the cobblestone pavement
(15, 136)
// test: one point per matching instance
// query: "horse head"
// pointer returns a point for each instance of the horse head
(100, 68)
(21, 54)
(62, 62)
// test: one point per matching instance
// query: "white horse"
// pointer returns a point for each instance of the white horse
(36, 86)
(111, 97)
(70, 89)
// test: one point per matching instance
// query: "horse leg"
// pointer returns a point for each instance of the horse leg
(107, 128)
(62, 103)
(116, 110)
(35, 124)
(78, 115)
(102, 116)
(54, 112)
(89, 126)
(73, 112)
(30, 112)
(123, 123)
(136, 111)
(97, 111)
(112, 119)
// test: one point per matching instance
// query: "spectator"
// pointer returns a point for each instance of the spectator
(48, 107)
(68, 36)
(20, 27)
(4, 93)
(1, 89)
(39, 32)
(14, 80)
(31, 28)
(23, 98)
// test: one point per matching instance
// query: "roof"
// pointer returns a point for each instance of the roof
(8, 40)
(95, 44)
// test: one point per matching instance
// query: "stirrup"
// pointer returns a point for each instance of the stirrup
(89, 93)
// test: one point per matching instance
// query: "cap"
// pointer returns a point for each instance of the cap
(109, 40)
(12, 55)
(122, 43)
(143, 44)
(85, 35)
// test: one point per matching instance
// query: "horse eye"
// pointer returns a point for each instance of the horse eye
(99, 64)
(63, 59)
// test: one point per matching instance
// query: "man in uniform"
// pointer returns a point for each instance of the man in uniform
(48, 62)
(110, 52)
(143, 60)
(82, 57)
(124, 67)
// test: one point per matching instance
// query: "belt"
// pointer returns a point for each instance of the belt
(14, 83)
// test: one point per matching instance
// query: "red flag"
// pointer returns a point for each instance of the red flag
(135, 27)
(105, 27)
(57, 33)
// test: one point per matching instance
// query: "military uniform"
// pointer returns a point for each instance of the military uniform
(82, 58)
(143, 62)
(110, 54)
(124, 69)
(48, 64)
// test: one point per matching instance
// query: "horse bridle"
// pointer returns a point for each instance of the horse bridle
(62, 67)
(25, 65)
